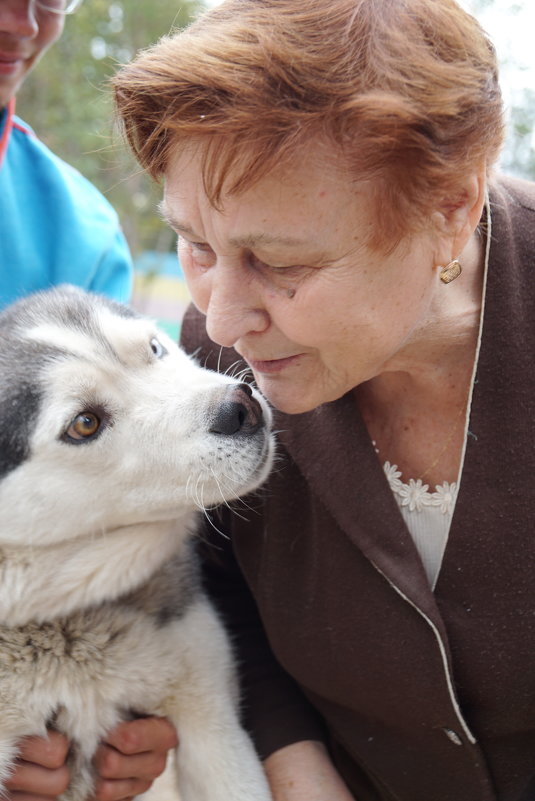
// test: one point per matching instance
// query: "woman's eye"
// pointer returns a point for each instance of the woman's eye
(201, 253)
(157, 348)
(274, 268)
(84, 426)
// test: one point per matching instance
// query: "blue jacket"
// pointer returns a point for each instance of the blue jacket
(55, 227)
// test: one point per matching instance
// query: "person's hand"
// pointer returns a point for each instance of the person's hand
(40, 773)
(133, 755)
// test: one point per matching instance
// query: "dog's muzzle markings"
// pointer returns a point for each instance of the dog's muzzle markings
(110, 439)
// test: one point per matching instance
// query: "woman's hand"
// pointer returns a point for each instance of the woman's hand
(133, 755)
(40, 773)
(304, 772)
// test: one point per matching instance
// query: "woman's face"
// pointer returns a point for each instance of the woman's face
(283, 274)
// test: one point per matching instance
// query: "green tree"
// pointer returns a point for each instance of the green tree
(68, 103)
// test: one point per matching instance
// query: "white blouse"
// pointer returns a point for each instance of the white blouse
(427, 514)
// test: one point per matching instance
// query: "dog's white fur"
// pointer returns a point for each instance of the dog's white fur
(101, 615)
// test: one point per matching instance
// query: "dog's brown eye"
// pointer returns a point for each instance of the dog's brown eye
(84, 425)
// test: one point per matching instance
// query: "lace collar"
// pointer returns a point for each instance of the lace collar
(416, 495)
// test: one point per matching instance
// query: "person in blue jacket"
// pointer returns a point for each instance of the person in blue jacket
(55, 227)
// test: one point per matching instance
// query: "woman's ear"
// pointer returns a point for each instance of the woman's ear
(460, 213)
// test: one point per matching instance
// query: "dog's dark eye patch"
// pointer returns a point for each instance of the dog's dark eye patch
(22, 363)
(18, 410)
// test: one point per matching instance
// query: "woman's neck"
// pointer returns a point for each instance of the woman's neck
(443, 345)
(415, 407)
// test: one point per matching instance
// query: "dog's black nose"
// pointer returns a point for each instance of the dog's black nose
(238, 413)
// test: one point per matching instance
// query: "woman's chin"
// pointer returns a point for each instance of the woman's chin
(286, 399)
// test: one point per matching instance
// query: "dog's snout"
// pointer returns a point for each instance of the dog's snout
(238, 412)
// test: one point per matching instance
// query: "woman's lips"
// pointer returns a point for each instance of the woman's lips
(271, 366)
(9, 63)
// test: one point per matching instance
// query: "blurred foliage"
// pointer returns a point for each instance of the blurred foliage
(67, 102)
(519, 154)
(517, 75)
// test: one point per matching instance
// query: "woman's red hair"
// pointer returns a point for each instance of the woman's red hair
(406, 90)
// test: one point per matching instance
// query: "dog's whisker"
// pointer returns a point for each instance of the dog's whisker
(219, 487)
(243, 503)
(243, 374)
(237, 514)
(230, 371)
(199, 492)
(187, 489)
(219, 355)
(213, 525)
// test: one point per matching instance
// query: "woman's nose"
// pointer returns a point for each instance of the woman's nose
(18, 17)
(233, 310)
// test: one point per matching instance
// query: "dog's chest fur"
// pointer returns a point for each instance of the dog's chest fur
(92, 640)
(83, 672)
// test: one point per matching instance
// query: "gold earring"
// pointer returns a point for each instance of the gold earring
(450, 272)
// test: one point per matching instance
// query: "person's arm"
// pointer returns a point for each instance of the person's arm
(133, 755)
(304, 772)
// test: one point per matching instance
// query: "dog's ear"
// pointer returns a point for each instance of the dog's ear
(19, 406)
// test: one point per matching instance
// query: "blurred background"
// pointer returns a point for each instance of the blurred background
(67, 102)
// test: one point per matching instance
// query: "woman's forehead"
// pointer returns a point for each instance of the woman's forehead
(312, 187)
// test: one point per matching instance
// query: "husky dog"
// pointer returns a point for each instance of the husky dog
(110, 439)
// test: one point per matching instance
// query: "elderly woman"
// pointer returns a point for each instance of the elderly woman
(328, 170)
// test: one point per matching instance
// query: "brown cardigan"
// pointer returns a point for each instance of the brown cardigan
(421, 695)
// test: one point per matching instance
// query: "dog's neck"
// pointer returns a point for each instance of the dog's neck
(43, 583)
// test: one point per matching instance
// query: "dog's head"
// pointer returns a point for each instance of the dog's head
(105, 422)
